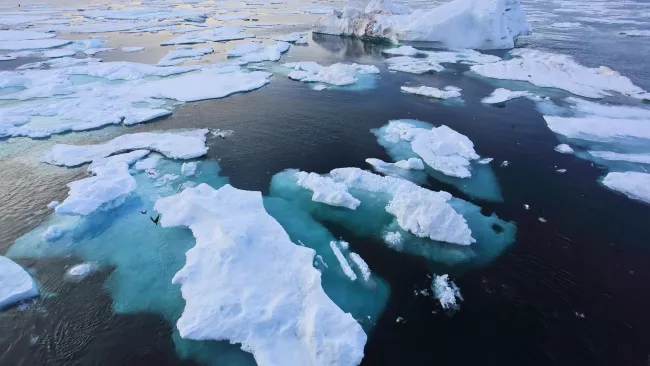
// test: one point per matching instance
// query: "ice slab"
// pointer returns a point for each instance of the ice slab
(564, 149)
(327, 190)
(176, 56)
(337, 74)
(185, 145)
(80, 271)
(210, 83)
(403, 51)
(189, 169)
(502, 95)
(16, 284)
(492, 24)
(228, 33)
(32, 44)
(450, 157)
(545, 69)
(307, 327)
(635, 185)
(632, 158)
(431, 92)
(296, 38)
(597, 128)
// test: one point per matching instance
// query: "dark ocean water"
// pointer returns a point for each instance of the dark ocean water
(589, 259)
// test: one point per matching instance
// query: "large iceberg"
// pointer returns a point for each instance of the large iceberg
(15, 283)
(483, 24)
(283, 317)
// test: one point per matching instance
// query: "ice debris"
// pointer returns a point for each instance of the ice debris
(502, 95)
(446, 292)
(327, 190)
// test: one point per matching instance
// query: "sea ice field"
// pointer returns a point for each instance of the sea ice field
(324, 182)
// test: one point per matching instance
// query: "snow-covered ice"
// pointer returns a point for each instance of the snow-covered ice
(596, 128)
(413, 65)
(326, 190)
(337, 74)
(189, 168)
(403, 51)
(177, 56)
(633, 158)
(635, 185)
(132, 49)
(545, 69)
(185, 145)
(21, 35)
(446, 291)
(431, 92)
(16, 284)
(502, 95)
(362, 265)
(394, 239)
(564, 149)
(32, 44)
(491, 24)
(227, 33)
(234, 233)
(296, 38)
(53, 233)
(566, 25)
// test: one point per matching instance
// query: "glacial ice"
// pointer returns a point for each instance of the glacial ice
(482, 24)
(635, 185)
(403, 51)
(60, 52)
(80, 271)
(343, 263)
(296, 38)
(189, 169)
(427, 91)
(232, 227)
(632, 158)
(337, 74)
(413, 65)
(450, 157)
(446, 291)
(244, 48)
(545, 69)
(21, 35)
(410, 169)
(502, 95)
(602, 129)
(454, 231)
(184, 145)
(16, 284)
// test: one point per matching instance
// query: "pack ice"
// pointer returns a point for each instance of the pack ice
(282, 317)
(15, 283)
(482, 24)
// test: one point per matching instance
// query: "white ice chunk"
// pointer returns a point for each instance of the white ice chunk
(326, 190)
(427, 91)
(564, 149)
(175, 57)
(502, 95)
(441, 148)
(62, 52)
(362, 265)
(446, 292)
(633, 184)
(413, 65)
(111, 184)
(566, 25)
(633, 158)
(207, 84)
(132, 49)
(126, 158)
(16, 284)
(337, 74)
(345, 265)
(545, 69)
(189, 169)
(21, 35)
(282, 317)
(82, 270)
(394, 240)
(487, 24)
(403, 51)
(186, 145)
(296, 37)
(244, 48)
(32, 44)
(410, 164)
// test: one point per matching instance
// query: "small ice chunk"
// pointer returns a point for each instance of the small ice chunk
(16, 284)
(526, 207)
(446, 292)
(403, 51)
(326, 190)
(297, 38)
(175, 57)
(53, 204)
(132, 49)
(53, 233)
(61, 52)
(566, 25)
(410, 164)
(561, 170)
(345, 266)
(189, 169)
(427, 91)
(362, 265)
(319, 87)
(505, 163)
(564, 149)
(80, 271)
(635, 185)
(413, 65)
(394, 240)
(502, 95)
(485, 161)
(337, 74)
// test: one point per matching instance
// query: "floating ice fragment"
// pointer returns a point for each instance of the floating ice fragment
(345, 265)
(413, 65)
(505, 163)
(176, 57)
(561, 170)
(21, 35)
(16, 284)
(53, 233)
(403, 51)
(446, 291)
(633, 158)
(234, 233)
(427, 91)
(564, 149)
(502, 95)
(189, 169)
(635, 185)
(326, 190)
(542, 220)
(35, 44)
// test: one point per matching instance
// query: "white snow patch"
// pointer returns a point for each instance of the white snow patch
(362, 265)
(394, 240)
(225, 300)
(132, 49)
(345, 265)
(564, 149)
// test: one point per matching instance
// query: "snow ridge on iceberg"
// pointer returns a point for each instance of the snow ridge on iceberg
(280, 314)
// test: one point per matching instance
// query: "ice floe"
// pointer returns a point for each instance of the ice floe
(566, 25)
(492, 24)
(16, 284)
(179, 55)
(296, 38)
(403, 51)
(185, 145)
(446, 292)
(431, 92)
(327, 190)
(502, 95)
(80, 271)
(32, 44)
(635, 185)
(614, 156)
(227, 33)
(337, 74)
(132, 49)
(564, 149)
(597, 128)
(545, 69)
(232, 226)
